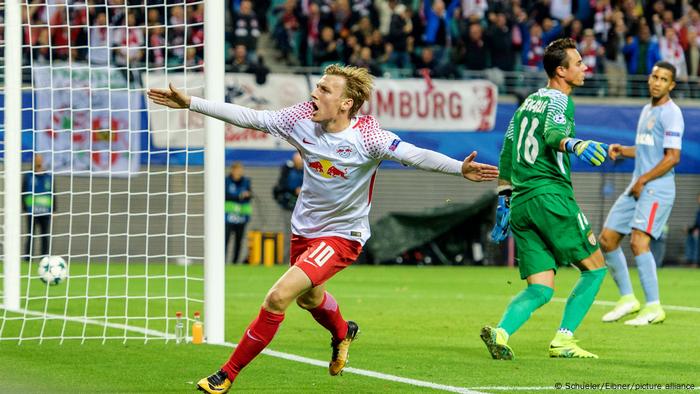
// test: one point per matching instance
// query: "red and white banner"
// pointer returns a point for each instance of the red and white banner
(399, 105)
(433, 105)
(86, 123)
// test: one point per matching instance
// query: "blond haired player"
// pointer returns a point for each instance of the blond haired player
(341, 153)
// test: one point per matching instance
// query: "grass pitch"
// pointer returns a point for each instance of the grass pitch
(416, 322)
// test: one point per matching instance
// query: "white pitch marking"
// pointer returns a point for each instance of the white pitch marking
(273, 353)
(667, 307)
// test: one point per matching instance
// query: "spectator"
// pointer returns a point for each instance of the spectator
(351, 49)
(692, 241)
(128, 42)
(193, 59)
(590, 52)
(98, 53)
(575, 30)
(175, 34)
(499, 38)
(238, 209)
(246, 27)
(156, 46)
(399, 36)
(154, 17)
(533, 48)
(41, 53)
(365, 60)
(615, 68)
(326, 50)
(427, 66)
(38, 202)
(438, 20)
(475, 53)
(671, 51)
(286, 192)
(58, 26)
(603, 19)
(364, 30)
(285, 29)
(641, 52)
(289, 183)
(240, 63)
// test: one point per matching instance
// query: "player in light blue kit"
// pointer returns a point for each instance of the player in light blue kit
(645, 206)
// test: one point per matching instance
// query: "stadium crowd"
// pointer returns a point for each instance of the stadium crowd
(440, 38)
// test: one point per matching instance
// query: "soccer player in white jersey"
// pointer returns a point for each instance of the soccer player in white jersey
(646, 204)
(341, 153)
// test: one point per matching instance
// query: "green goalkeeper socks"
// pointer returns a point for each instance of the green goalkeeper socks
(581, 298)
(522, 306)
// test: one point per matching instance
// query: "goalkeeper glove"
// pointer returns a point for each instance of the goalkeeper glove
(592, 152)
(502, 227)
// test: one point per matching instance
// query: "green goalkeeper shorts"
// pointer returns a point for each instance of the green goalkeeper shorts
(550, 230)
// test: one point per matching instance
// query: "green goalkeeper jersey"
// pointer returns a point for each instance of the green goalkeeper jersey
(530, 159)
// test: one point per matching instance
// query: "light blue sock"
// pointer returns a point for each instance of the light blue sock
(647, 275)
(617, 265)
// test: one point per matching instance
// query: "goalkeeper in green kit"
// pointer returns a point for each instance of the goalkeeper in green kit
(536, 201)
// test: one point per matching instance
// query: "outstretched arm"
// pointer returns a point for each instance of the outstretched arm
(428, 160)
(617, 151)
(278, 123)
(229, 113)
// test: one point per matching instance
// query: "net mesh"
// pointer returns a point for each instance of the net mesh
(123, 206)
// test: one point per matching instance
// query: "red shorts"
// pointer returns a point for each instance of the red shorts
(320, 258)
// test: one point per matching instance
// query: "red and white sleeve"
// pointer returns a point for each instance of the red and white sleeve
(380, 144)
(277, 123)
(385, 145)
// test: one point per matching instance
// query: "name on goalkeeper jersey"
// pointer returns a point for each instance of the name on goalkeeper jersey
(536, 106)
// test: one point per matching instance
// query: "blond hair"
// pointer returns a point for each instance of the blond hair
(358, 84)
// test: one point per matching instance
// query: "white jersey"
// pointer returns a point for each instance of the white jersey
(339, 168)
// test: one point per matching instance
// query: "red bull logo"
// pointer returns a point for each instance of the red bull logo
(327, 170)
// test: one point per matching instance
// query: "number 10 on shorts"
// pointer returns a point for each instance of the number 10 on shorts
(320, 255)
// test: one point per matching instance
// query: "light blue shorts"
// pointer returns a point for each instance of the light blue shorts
(648, 214)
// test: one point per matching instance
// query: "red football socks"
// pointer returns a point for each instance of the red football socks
(328, 315)
(258, 335)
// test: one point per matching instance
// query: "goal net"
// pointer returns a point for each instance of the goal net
(121, 204)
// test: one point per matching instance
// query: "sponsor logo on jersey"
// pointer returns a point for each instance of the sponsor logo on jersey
(559, 118)
(672, 134)
(651, 121)
(394, 144)
(327, 170)
(307, 142)
(591, 238)
(344, 151)
(645, 139)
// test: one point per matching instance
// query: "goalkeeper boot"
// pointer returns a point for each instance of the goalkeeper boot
(625, 306)
(340, 347)
(651, 314)
(496, 340)
(564, 346)
(215, 383)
